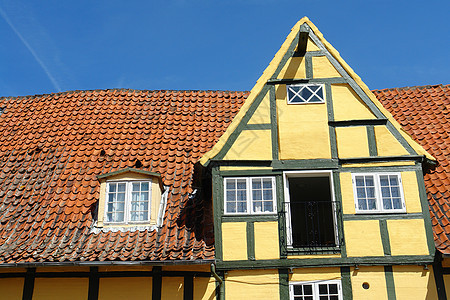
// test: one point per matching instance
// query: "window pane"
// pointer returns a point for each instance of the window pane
(387, 203)
(298, 290)
(372, 204)
(144, 196)
(257, 195)
(268, 195)
(111, 198)
(231, 184)
(268, 207)
(256, 184)
(385, 192)
(120, 197)
(241, 184)
(369, 181)
(144, 186)
(323, 290)
(242, 207)
(118, 217)
(361, 192)
(359, 180)
(241, 195)
(121, 187)
(323, 297)
(333, 288)
(334, 297)
(307, 288)
(257, 206)
(267, 183)
(362, 204)
(231, 207)
(136, 186)
(397, 203)
(112, 187)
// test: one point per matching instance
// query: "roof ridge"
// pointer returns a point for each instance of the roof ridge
(412, 87)
(114, 89)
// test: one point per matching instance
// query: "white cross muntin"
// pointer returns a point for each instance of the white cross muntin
(301, 87)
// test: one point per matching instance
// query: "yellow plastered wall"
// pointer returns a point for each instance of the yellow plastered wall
(376, 279)
(413, 282)
(322, 68)
(363, 238)
(125, 288)
(294, 68)
(310, 274)
(387, 144)
(447, 285)
(234, 240)
(252, 284)
(352, 142)
(262, 113)
(411, 192)
(60, 288)
(379, 164)
(155, 200)
(348, 201)
(311, 46)
(347, 105)
(11, 288)
(302, 129)
(204, 288)
(251, 145)
(407, 237)
(266, 240)
(172, 288)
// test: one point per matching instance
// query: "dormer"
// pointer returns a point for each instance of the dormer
(130, 199)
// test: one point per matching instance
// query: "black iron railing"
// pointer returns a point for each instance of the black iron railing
(313, 223)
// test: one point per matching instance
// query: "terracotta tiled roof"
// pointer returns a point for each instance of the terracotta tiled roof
(53, 146)
(424, 112)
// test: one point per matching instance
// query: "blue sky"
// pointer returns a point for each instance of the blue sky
(55, 45)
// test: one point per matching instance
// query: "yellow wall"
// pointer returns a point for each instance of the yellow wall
(322, 68)
(407, 237)
(204, 288)
(303, 129)
(172, 288)
(309, 274)
(294, 68)
(348, 201)
(262, 113)
(252, 284)
(363, 238)
(125, 288)
(234, 240)
(266, 240)
(411, 192)
(376, 279)
(413, 282)
(387, 144)
(352, 142)
(251, 145)
(347, 105)
(60, 288)
(11, 288)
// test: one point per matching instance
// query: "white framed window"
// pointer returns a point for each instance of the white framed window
(249, 195)
(315, 290)
(305, 93)
(127, 202)
(378, 193)
(311, 219)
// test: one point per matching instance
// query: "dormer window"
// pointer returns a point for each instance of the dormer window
(305, 93)
(130, 199)
(128, 202)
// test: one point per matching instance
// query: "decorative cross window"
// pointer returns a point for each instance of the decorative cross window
(381, 192)
(317, 290)
(127, 202)
(305, 93)
(250, 195)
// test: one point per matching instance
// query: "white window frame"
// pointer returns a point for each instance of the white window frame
(287, 200)
(128, 197)
(379, 199)
(315, 287)
(250, 196)
(306, 85)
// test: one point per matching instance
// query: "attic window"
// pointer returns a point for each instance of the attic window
(128, 202)
(131, 199)
(305, 93)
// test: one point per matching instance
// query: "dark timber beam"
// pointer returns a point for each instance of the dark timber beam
(302, 41)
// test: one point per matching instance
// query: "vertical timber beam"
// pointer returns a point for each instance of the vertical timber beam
(346, 283)
(188, 293)
(28, 285)
(93, 283)
(283, 275)
(157, 283)
(438, 273)
(390, 286)
(302, 41)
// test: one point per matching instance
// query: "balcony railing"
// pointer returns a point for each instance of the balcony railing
(313, 223)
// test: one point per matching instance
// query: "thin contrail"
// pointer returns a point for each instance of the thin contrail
(36, 57)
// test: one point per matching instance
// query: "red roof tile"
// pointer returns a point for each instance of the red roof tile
(53, 146)
(424, 112)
